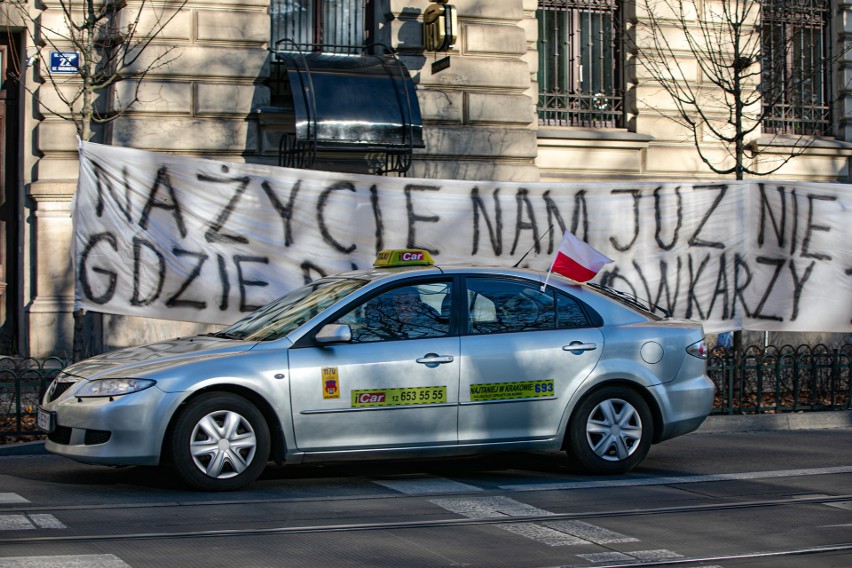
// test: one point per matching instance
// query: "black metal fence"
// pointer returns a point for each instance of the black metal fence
(22, 382)
(758, 380)
(785, 379)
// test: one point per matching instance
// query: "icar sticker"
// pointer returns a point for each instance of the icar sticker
(399, 396)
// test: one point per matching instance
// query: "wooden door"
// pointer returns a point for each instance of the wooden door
(10, 199)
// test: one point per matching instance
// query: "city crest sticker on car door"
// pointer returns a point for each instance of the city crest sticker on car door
(330, 383)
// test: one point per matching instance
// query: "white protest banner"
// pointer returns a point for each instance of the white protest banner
(190, 239)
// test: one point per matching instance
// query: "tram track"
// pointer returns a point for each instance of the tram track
(406, 525)
(768, 555)
(24, 506)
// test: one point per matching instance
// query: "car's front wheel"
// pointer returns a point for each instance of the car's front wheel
(610, 431)
(220, 442)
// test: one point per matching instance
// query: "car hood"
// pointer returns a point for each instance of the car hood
(147, 359)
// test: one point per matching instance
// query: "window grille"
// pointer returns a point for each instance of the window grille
(311, 26)
(796, 76)
(580, 78)
(337, 26)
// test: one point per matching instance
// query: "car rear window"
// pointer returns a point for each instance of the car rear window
(629, 300)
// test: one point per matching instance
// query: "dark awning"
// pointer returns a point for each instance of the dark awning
(353, 102)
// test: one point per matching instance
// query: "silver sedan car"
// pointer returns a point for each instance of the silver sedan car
(405, 360)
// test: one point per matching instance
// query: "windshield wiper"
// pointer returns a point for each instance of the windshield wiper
(631, 299)
(226, 335)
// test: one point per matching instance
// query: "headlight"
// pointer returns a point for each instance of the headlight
(113, 387)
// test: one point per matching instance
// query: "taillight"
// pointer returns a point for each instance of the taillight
(698, 349)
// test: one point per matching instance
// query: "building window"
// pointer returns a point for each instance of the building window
(313, 26)
(795, 67)
(318, 25)
(580, 76)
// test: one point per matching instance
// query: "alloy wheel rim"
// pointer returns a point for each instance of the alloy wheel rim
(614, 430)
(223, 444)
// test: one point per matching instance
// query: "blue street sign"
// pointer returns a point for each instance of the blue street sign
(64, 62)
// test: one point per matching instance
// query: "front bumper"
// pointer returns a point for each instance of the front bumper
(124, 430)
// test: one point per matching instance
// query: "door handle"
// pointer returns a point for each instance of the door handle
(433, 359)
(577, 347)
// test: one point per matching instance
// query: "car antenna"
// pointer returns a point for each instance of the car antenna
(535, 244)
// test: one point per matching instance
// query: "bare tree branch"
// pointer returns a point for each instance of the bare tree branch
(109, 52)
(727, 100)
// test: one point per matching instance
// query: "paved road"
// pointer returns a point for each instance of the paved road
(775, 498)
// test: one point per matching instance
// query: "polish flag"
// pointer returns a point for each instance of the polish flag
(577, 260)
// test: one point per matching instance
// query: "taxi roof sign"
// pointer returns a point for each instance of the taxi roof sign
(403, 257)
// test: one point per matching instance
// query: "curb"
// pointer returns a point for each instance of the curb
(22, 449)
(720, 424)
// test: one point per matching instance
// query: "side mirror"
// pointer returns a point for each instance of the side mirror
(334, 333)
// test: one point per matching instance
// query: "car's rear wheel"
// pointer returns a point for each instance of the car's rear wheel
(220, 442)
(611, 431)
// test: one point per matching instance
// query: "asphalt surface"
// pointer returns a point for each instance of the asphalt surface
(755, 492)
(715, 424)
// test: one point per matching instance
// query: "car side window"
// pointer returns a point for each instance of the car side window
(507, 306)
(404, 312)
(569, 314)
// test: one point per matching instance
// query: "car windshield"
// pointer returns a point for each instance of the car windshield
(287, 313)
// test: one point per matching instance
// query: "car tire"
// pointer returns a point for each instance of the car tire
(220, 442)
(610, 431)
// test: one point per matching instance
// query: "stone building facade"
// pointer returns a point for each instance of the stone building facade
(480, 116)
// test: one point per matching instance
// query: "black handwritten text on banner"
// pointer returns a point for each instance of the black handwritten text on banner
(198, 240)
